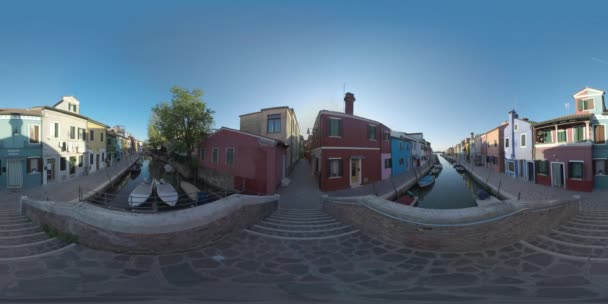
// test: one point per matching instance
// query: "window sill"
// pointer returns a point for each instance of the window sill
(331, 136)
(334, 177)
(575, 178)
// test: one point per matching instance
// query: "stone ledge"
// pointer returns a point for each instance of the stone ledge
(493, 226)
(151, 233)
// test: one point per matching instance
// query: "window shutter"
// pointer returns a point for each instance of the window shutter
(328, 168)
(339, 127)
(40, 165)
(580, 105)
(28, 168)
(590, 104)
(341, 173)
(329, 127)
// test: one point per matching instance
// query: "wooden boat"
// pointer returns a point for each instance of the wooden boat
(141, 193)
(438, 166)
(166, 192)
(426, 181)
(435, 171)
(459, 168)
(190, 190)
(408, 199)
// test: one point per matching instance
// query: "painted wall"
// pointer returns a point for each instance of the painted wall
(401, 149)
(96, 146)
(15, 146)
(386, 172)
(564, 154)
(257, 166)
(517, 150)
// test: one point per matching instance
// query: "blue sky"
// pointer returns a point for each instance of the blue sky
(444, 68)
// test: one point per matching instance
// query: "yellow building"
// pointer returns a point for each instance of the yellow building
(96, 145)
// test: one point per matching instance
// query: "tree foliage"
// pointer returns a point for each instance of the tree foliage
(185, 121)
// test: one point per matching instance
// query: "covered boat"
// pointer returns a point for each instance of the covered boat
(166, 192)
(190, 190)
(426, 181)
(141, 193)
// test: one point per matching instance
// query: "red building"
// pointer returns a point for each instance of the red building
(242, 161)
(348, 150)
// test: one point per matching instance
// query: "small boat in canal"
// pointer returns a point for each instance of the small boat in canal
(438, 166)
(166, 192)
(190, 190)
(141, 193)
(459, 168)
(426, 181)
(435, 171)
(408, 199)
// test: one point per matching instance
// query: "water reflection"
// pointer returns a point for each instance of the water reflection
(451, 190)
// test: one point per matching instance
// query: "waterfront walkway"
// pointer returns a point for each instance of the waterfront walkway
(515, 188)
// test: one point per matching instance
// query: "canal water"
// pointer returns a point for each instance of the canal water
(118, 194)
(451, 190)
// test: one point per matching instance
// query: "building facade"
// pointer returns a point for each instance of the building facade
(496, 153)
(96, 137)
(401, 151)
(241, 161)
(518, 148)
(348, 150)
(279, 123)
(20, 148)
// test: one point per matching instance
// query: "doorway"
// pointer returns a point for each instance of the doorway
(15, 173)
(355, 172)
(530, 171)
(96, 161)
(557, 174)
(50, 170)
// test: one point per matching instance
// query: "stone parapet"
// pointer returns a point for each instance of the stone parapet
(151, 233)
(453, 230)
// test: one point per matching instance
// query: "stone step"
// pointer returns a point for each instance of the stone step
(305, 234)
(299, 222)
(16, 226)
(30, 249)
(17, 221)
(10, 213)
(18, 232)
(569, 249)
(316, 217)
(23, 239)
(586, 226)
(298, 210)
(300, 226)
(299, 214)
(594, 212)
(592, 218)
(577, 239)
(583, 232)
(296, 238)
(592, 222)
(11, 217)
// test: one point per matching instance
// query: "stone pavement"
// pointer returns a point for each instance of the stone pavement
(512, 187)
(302, 192)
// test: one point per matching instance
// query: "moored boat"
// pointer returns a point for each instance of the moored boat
(190, 190)
(438, 166)
(408, 199)
(166, 192)
(435, 171)
(426, 181)
(141, 193)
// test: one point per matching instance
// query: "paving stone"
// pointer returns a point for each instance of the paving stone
(296, 269)
(378, 250)
(526, 267)
(507, 280)
(248, 265)
(417, 261)
(393, 258)
(182, 275)
(308, 289)
(564, 281)
(30, 272)
(539, 259)
(562, 269)
(425, 254)
(170, 259)
(599, 269)
(143, 261)
(46, 286)
(205, 263)
(408, 297)
(565, 292)
(133, 272)
(326, 270)
(494, 290)
(455, 279)
(122, 258)
(503, 271)
(352, 276)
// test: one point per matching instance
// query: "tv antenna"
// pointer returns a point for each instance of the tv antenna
(567, 106)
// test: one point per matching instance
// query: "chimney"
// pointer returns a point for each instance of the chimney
(349, 103)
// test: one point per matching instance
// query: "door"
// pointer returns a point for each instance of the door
(283, 167)
(96, 161)
(355, 171)
(15, 173)
(520, 168)
(530, 171)
(50, 170)
(557, 174)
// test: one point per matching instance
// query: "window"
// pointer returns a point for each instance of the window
(62, 162)
(34, 165)
(575, 170)
(335, 127)
(72, 107)
(371, 132)
(579, 134)
(274, 123)
(229, 156)
(80, 161)
(400, 146)
(388, 163)
(202, 154)
(542, 167)
(34, 134)
(523, 143)
(72, 164)
(495, 143)
(215, 155)
(64, 147)
(515, 127)
(72, 132)
(544, 136)
(561, 136)
(506, 142)
(586, 104)
(401, 161)
(92, 135)
(91, 157)
(101, 136)
(599, 132)
(600, 166)
(84, 134)
(55, 129)
(103, 156)
(334, 167)
(387, 136)
(511, 166)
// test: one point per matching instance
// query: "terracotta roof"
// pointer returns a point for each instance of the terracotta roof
(265, 109)
(278, 142)
(567, 118)
(30, 112)
(348, 115)
(71, 113)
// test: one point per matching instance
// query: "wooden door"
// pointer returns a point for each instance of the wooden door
(15, 173)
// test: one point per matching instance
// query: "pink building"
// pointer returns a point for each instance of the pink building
(241, 161)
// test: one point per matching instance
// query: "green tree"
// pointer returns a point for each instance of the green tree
(154, 139)
(185, 121)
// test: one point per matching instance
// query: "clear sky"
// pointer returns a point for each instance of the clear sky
(444, 68)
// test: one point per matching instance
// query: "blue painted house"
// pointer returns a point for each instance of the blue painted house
(591, 101)
(20, 148)
(518, 147)
(401, 151)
